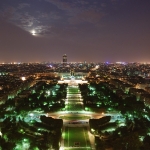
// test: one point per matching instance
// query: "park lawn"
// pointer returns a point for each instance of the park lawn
(76, 136)
(73, 90)
(75, 107)
(75, 117)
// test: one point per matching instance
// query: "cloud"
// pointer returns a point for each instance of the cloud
(60, 5)
(89, 16)
(79, 11)
(7, 13)
(50, 15)
(71, 7)
(23, 5)
(24, 20)
(43, 30)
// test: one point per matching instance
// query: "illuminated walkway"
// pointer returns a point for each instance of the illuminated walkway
(76, 135)
(74, 100)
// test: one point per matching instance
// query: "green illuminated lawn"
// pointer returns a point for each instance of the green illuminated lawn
(74, 107)
(76, 137)
(74, 117)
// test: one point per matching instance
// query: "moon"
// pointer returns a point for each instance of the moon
(33, 32)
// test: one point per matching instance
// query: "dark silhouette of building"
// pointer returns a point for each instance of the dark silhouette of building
(64, 59)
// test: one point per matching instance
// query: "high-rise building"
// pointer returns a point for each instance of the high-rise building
(64, 58)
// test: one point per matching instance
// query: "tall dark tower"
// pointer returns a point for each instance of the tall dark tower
(64, 59)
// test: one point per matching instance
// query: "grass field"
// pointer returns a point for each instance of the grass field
(76, 138)
(74, 107)
(75, 117)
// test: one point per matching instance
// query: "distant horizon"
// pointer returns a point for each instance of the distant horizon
(42, 62)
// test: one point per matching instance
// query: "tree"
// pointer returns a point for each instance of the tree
(146, 143)
(129, 141)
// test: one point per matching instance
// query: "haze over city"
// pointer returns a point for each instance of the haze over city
(85, 30)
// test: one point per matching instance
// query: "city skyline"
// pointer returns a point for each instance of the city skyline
(85, 30)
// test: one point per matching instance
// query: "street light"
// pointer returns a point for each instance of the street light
(23, 78)
(0, 133)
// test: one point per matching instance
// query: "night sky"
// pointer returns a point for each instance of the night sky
(85, 30)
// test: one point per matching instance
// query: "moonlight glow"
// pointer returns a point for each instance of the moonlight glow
(33, 32)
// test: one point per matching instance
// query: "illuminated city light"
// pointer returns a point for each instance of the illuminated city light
(31, 114)
(23, 78)
(0, 133)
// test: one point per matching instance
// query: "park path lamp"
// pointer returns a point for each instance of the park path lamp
(23, 78)
(1, 134)
(25, 143)
(92, 130)
(31, 115)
